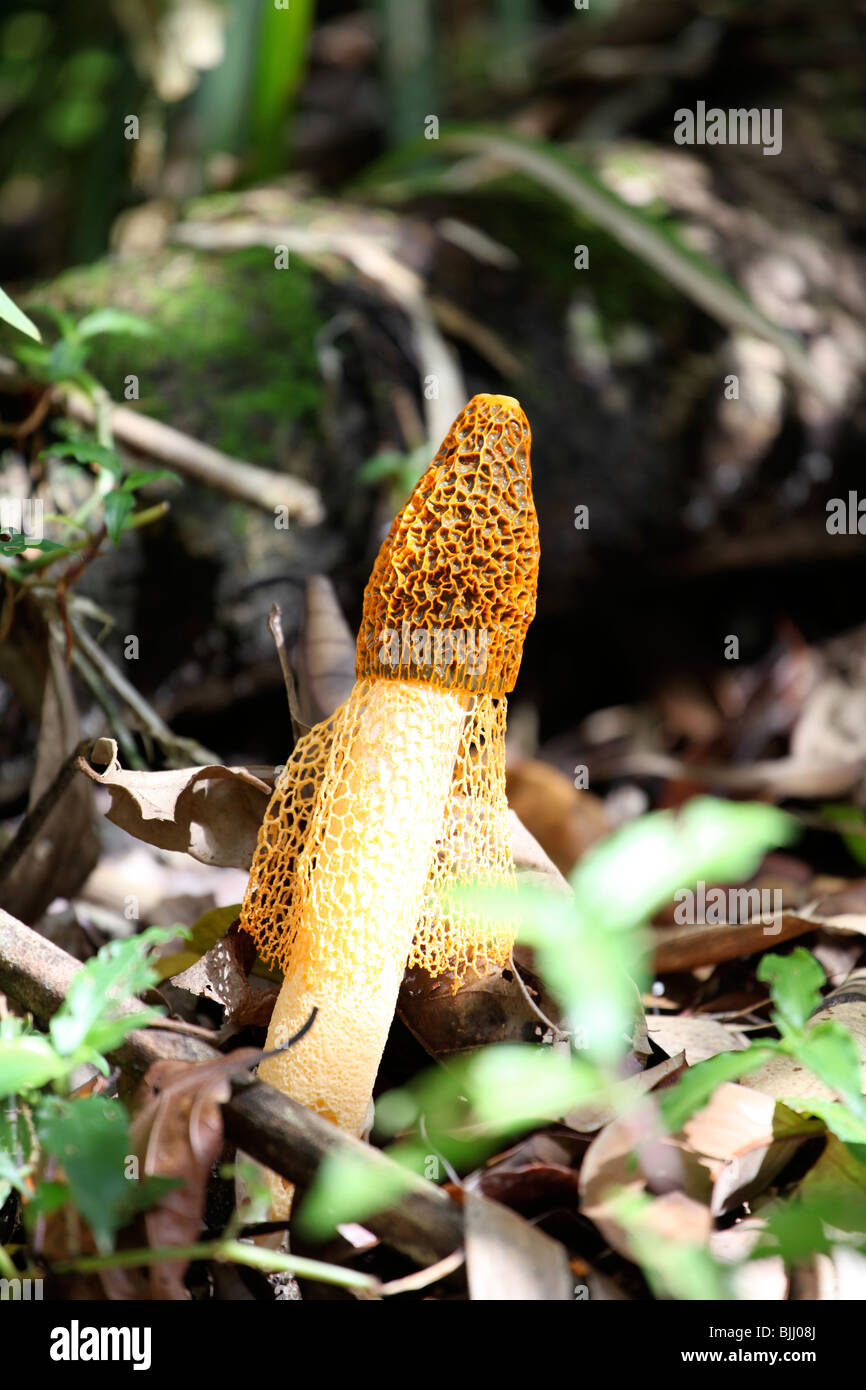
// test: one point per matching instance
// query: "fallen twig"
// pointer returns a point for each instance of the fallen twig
(39, 813)
(151, 721)
(260, 487)
(425, 1225)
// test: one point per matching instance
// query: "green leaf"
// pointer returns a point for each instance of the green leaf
(88, 1014)
(28, 1063)
(692, 1091)
(64, 320)
(11, 314)
(66, 360)
(851, 1129)
(48, 1197)
(19, 543)
(200, 938)
(281, 57)
(142, 476)
(794, 1230)
(795, 984)
(118, 506)
(831, 1053)
(87, 451)
(496, 1092)
(90, 1139)
(16, 1149)
(349, 1188)
(114, 321)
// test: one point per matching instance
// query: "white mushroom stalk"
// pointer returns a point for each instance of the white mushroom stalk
(404, 785)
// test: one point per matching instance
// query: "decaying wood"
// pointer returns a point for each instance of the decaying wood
(425, 1225)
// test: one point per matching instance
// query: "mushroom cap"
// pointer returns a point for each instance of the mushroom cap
(452, 591)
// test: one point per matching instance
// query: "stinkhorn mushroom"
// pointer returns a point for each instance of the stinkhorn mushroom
(403, 788)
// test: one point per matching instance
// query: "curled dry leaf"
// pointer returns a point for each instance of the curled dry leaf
(223, 975)
(744, 1139)
(212, 813)
(636, 1154)
(177, 1132)
(538, 1174)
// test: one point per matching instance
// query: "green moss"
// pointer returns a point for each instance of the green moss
(232, 357)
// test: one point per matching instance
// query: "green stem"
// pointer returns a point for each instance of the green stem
(270, 1260)
(143, 518)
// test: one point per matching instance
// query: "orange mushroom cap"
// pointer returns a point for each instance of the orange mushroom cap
(452, 591)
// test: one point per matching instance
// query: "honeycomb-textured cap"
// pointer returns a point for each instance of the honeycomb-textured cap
(452, 591)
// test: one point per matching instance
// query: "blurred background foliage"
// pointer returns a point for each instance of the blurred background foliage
(456, 257)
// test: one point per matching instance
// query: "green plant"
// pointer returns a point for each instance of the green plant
(42, 1120)
(587, 950)
(64, 362)
(11, 314)
(61, 364)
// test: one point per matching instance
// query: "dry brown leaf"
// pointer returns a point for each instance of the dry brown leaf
(588, 1118)
(744, 1139)
(831, 728)
(507, 1260)
(752, 1279)
(177, 1132)
(534, 867)
(564, 820)
(489, 1009)
(707, 943)
(64, 852)
(223, 975)
(834, 1278)
(635, 1153)
(699, 1038)
(844, 910)
(538, 1173)
(212, 813)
